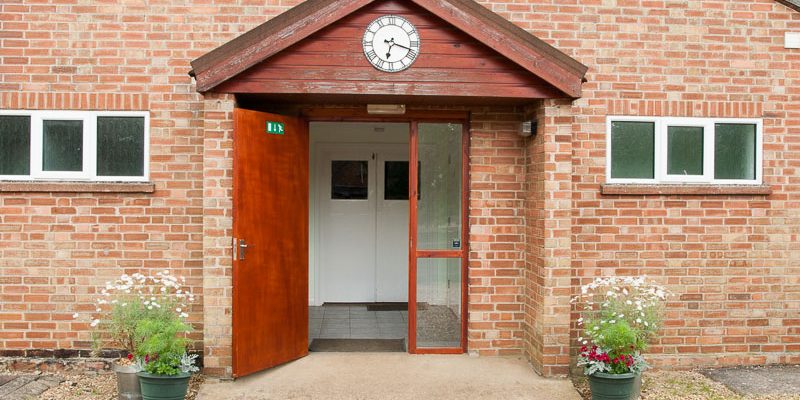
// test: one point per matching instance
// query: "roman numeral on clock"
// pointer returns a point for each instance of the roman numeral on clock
(372, 55)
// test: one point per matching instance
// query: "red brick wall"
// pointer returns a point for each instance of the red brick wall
(497, 232)
(732, 260)
(57, 248)
(548, 237)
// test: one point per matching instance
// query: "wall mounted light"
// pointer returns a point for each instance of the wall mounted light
(528, 128)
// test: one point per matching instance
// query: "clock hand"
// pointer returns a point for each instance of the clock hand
(402, 47)
(391, 44)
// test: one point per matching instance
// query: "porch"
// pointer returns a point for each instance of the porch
(394, 376)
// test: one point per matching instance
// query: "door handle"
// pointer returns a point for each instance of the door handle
(242, 249)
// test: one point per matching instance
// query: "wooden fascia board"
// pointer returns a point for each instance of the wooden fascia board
(567, 78)
(794, 4)
(238, 55)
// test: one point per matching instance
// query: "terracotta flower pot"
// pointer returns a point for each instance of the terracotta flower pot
(612, 386)
(164, 387)
(128, 382)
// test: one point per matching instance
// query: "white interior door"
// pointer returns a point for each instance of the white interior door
(362, 235)
(392, 224)
(347, 225)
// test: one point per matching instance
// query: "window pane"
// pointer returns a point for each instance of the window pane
(349, 180)
(735, 151)
(632, 149)
(15, 145)
(438, 302)
(120, 146)
(396, 180)
(440, 169)
(62, 145)
(685, 150)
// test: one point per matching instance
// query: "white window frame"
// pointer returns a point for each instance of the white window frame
(89, 172)
(660, 148)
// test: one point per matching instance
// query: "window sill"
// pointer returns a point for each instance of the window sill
(661, 189)
(78, 187)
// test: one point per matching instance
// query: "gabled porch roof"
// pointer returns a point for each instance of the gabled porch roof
(277, 34)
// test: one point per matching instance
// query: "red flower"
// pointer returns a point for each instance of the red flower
(130, 356)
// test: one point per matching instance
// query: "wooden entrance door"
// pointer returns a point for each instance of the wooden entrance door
(270, 229)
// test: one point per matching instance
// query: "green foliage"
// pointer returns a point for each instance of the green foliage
(123, 304)
(618, 338)
(122, 319)
(162, 344)
(619, 316)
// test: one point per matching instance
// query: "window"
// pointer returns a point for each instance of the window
(349, 180)
(684, 150)
(396, 180)
(74, 145)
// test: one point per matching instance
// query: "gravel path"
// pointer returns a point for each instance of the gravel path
(685, 385)
(99, 387)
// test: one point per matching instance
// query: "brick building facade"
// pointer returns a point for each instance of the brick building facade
(542, 216)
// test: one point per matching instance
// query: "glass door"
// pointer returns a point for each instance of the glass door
(438, 239)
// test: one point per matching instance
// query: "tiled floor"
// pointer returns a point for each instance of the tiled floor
(335, 321)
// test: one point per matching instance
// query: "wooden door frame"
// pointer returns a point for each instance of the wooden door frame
(413, 118)
(414, 254)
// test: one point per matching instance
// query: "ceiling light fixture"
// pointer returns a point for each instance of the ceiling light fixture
(393, 109)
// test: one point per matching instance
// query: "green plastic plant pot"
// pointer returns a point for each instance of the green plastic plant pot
(164, 387)
(611, 386)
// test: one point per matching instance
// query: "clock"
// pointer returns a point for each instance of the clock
(391, 43)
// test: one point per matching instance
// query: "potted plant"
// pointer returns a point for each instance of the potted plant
(122, 305)
(619, 317)
(166, 367)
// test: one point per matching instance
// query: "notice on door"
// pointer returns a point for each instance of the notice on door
(275, 128)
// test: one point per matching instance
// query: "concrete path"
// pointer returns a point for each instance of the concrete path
(770, 380)
(394, 376)
(25, 387)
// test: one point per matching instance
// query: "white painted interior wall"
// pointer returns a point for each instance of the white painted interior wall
(356, 133)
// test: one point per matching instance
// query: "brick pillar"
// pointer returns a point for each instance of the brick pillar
(497, 232)
(217, 233)
(548, 208)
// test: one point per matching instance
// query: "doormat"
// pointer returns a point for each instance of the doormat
(387, 307)
(358, 345)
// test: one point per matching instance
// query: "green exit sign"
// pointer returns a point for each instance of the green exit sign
(275, 128)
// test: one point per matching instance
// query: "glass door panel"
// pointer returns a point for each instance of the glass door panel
(437, 316)
(438, 302)
(439, 200)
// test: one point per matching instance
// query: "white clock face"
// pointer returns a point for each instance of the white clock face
(391, 43)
